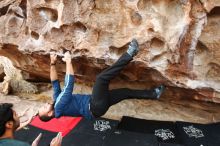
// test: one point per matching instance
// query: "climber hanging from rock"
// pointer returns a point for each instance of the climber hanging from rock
(97, 104)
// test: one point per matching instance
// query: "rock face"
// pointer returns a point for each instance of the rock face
(13, 79)
(179, 41)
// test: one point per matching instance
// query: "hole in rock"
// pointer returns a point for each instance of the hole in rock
(80, 26)
(2, 75)
(34, 35)
(157, 43)
(118, 51)
(136, 18)
(4, 10)
(10, 47)
(214, 12)
(48, 14)
(201, 48)
(151, 30)
(23, 6)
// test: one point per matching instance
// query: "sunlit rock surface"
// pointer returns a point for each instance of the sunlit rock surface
(179, 41)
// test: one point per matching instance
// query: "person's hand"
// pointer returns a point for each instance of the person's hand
(24, 113)
(36, 141)
(67, 57)
(56, 141)
(25, 123)
(29, 120)
(29, 112)
(53, 58)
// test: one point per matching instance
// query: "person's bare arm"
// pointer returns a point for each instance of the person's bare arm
(25, 123)
(69, 67)
(53, 71)
(22, 125)
(24, 113)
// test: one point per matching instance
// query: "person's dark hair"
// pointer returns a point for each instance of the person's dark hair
(45, 118)
(6, 114)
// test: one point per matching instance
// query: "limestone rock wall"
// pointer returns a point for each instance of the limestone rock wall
(179, 41)
(13, 79)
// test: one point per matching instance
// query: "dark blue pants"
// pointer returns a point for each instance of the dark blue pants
(103, 98)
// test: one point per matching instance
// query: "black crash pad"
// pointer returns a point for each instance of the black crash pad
(85, 133)
(126, 138)
(91, 132)
(193, 134)
(165, 131)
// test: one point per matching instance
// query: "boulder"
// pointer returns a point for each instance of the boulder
(179, 41)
